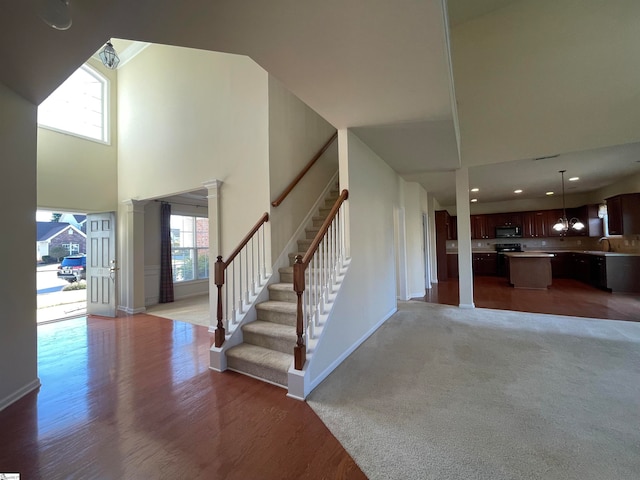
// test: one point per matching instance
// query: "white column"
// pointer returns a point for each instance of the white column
(343, 167)
(465, 269)
(215, 244)
(132, 298)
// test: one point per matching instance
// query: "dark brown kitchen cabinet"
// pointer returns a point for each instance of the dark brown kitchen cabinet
(552, 218)
(623, 212)
(480, 227)
(452, 265)
(453, 228)
(510, 219)
(442, 234)
(582, 267)
(535, 224)
(485, 264)
(587, 214)
(562, 265)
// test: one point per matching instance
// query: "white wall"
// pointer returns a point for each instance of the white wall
(630, 184)
(189, 116)
(18, 341)
(547, 77)
(414, 239)
(75, 174)
(296, 134)
(367, 296)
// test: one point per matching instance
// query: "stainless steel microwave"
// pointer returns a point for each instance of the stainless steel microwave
(508, 231)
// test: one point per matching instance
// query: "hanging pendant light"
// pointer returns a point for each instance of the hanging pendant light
(55, 13)
(109, 56)
(563, 224)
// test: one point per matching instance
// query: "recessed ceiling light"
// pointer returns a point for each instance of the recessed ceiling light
(474, 200)
(574, 179)
(549, 193)
(517, 191)
(475, 189)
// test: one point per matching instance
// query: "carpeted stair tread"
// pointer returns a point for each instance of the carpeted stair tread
(277, 311)
(277, 306)
(260, 362)
(282, 292)
(274, 336)
(270, 329)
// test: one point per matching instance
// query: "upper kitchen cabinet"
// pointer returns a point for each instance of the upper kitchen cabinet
(535, 224)
(587, 214)
(624, 214)
(480, 227)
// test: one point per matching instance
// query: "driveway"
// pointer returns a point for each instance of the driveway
(53, 303)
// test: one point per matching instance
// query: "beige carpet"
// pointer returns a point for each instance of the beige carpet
(194, 310)
(443, 393)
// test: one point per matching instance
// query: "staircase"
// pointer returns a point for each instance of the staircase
(267, 349)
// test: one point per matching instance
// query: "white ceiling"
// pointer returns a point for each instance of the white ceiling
(380, 67)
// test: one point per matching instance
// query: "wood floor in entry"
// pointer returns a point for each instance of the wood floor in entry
(133, 397)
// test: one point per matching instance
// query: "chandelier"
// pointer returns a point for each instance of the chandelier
(109, 56)
(563, 224)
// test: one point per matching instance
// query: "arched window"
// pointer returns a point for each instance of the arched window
(79, 106)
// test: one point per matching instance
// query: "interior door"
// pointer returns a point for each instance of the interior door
(101, 264)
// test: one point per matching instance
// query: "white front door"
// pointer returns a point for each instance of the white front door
(101, 264)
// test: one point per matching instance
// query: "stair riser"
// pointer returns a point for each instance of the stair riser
(318, 221)
(286, 277)
(303, 245)
(284, 345)
(311, 233)
(284, 296)
(276, 317)
(260, 371)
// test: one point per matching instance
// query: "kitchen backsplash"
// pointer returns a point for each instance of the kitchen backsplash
(620, 244)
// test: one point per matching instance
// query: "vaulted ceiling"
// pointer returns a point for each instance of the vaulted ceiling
(380, 67)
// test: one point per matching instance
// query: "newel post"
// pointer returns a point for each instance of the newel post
(219, 280)
(300, 350)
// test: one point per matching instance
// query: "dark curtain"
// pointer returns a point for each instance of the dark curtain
(166, 273)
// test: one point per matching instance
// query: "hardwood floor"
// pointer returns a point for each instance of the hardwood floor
(564, 297)
(133, 398)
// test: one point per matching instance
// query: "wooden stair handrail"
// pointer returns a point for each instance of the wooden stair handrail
(299, 268)
(220, 268)
(325, 226)
(263, 219)
(296, 180)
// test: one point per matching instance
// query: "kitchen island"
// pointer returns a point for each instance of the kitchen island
(529, 269)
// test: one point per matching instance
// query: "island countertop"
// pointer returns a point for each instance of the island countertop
(529, 254)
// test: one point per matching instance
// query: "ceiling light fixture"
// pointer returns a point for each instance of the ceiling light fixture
(475, 189)
(109, 56)
(549, 193)
(474, 200)
(55, 13)
(517, 191)
(563, 224)
(574, 179)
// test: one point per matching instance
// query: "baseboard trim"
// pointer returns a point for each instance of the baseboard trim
(466, 305)
(325, 373)
(18, 394)
(132, 311)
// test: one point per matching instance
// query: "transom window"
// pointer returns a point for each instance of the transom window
(189, 248)
(78, 106)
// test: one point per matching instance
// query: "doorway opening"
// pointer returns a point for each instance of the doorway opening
(60, 265)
